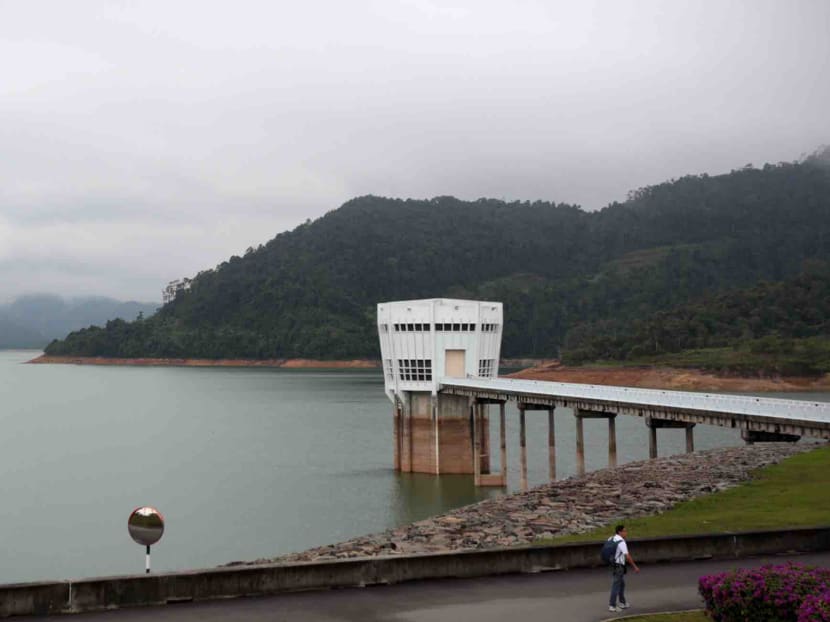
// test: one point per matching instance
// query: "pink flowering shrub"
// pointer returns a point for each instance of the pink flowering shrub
(768, 594)
(815, 608)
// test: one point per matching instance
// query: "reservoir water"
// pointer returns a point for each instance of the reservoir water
(243, 463)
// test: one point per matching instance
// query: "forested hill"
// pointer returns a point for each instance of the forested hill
(312, 291)
(780, 327)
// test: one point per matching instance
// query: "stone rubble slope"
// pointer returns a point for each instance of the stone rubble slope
(569, 506)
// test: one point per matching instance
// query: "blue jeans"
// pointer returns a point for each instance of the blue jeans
(617, 585)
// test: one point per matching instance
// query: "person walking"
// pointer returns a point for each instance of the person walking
(618, 570)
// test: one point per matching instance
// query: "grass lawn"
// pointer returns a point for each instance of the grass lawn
(685, 616)
(793, 493)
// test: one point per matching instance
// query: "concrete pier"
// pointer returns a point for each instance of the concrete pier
(551, 445)
(654, 424)
(480, 427)
(530, 406)
(447, 434)
(396, 414)
(522, 448)
(581, 414)
(485, 476)
(433, 435)
(503, 443)
(483, 433)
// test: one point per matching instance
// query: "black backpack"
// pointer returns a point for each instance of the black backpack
(608, 553)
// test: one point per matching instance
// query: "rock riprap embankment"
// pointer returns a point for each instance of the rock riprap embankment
(568, 506)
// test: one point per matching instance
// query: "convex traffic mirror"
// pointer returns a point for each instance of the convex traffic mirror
(146, 526)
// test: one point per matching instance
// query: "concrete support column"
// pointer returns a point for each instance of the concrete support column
(523, 448)
(474, 412)
(396, 414)
(484, 433)
(652, 441)
(551, 446)
(477, 432)
(406, 436)
(436, 442)
(484, 476)
(503, 443)
(580, 446)
(403, 439)
(410, 437)
(654, 423)
(612, 441)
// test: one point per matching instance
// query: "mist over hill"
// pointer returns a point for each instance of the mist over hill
(32, 321)
(311, 292)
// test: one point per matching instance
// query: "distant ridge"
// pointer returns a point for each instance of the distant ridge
(311, 292)
(33, 320)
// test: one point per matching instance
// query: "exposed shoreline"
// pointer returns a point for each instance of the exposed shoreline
(671, 378)
(45, 359)
(550, 370)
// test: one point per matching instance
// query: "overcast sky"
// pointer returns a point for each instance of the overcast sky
(144, 141)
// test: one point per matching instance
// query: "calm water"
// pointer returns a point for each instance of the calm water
(244, 463)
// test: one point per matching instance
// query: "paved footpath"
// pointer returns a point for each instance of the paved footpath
(568, 596)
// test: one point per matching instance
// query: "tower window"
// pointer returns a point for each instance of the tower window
(415, 370)
(486, 367)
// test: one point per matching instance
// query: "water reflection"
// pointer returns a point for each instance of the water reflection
(416, 496)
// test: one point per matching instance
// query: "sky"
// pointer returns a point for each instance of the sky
(144, 141)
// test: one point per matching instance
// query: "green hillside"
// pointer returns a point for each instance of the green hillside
(780, 327)
(312, 291)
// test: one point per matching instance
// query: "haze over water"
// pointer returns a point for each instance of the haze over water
(243, 463)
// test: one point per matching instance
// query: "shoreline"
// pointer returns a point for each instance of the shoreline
(669, 378)
(45, 359)
(672, 378)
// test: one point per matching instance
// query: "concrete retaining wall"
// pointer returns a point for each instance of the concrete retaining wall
(236, 581)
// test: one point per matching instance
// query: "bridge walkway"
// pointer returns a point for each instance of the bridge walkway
(758, 418)
(786, 416)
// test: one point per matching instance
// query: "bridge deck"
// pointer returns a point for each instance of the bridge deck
(811, 418)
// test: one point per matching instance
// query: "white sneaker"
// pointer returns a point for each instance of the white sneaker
(623, 606)
(614, 609)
